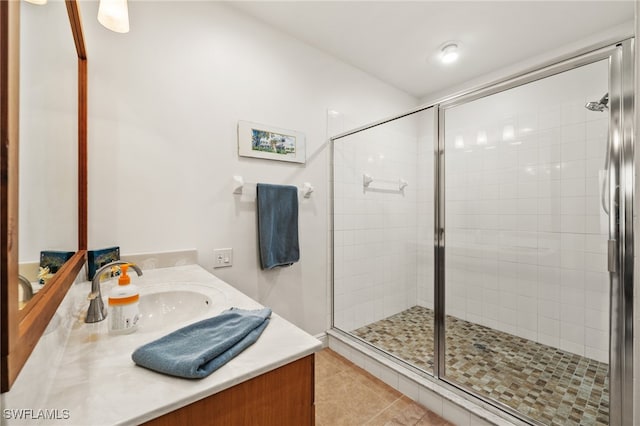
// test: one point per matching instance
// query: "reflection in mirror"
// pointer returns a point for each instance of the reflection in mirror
(48, 173)
(21, 329)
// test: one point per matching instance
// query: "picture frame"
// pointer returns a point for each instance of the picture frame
(98, 258)
(270, 143)
(54, 259)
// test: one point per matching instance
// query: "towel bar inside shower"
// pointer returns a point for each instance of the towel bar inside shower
(367, 180)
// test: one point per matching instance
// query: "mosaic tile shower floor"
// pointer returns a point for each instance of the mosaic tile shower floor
(544, 383)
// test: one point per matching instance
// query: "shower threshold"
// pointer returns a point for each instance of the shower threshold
(541, 382)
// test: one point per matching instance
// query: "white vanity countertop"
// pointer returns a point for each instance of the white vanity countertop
(96, 382)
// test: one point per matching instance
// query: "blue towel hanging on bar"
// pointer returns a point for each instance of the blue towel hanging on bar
(277, 211)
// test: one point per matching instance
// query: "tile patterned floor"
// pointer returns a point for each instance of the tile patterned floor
(347, 395)
(544, 383)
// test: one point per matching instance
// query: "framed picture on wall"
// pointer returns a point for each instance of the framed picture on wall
(270, 143)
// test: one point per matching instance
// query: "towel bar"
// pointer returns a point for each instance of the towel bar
(367, 179)
(239, 183)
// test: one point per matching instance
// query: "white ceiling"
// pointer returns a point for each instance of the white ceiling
(399, 41)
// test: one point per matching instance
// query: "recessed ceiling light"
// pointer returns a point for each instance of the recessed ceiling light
(449, 53)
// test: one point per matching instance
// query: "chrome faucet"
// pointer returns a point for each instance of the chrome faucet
(97, 312)
(27, 290)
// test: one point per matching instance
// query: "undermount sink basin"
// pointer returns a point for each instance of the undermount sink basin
(165, 305)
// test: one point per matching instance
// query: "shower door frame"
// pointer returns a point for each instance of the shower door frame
(621, 231)
(620, 54)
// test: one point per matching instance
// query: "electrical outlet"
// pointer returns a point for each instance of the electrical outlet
(222, 257)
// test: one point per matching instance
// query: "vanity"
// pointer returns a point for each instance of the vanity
(81, 372)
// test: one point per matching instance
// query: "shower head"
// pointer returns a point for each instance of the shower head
(598, 106)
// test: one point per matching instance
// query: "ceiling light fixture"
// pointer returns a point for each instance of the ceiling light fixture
(449, 53)
(114, 15)
(38, 2)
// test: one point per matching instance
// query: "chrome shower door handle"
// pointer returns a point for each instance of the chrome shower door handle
(604, 190)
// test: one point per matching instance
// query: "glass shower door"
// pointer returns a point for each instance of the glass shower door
(383, 236)
(526, 278)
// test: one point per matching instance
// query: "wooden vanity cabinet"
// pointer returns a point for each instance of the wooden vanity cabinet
(284, 396)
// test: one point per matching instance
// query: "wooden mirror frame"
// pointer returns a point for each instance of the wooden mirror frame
(21, 329)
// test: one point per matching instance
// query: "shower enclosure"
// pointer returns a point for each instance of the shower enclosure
(485, 240)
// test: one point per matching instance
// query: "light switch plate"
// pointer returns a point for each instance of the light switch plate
(222, 257)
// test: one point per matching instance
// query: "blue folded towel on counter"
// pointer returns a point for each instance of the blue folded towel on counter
(199, 349)
(277, 225)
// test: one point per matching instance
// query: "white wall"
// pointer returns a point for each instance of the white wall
(164, 102)
(526, 248)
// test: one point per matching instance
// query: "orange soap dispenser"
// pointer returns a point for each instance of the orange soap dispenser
(124, 311)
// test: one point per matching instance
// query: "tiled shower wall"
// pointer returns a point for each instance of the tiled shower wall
(426, 159)
(526, 236)
(525, 233)
(376, 240)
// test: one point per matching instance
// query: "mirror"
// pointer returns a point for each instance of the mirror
(64, 219)
(48, 152)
